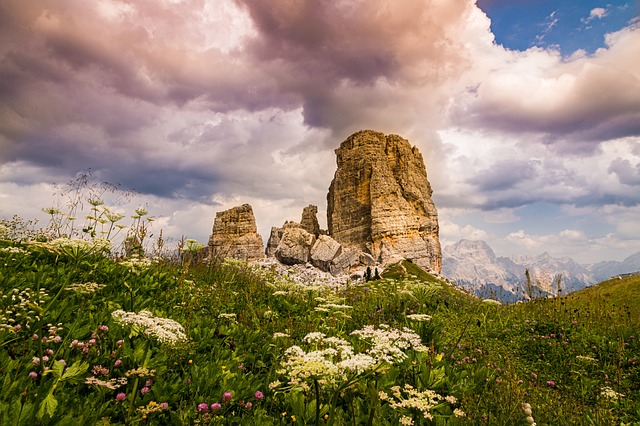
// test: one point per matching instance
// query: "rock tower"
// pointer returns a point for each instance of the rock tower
(380, 201)
(235, 235)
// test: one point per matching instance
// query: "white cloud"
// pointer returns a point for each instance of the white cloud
(597, 12)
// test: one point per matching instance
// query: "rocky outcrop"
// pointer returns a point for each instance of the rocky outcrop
(379, 201)
(235, 235)
(324, 251)
(295, 245)
(310, 220)
(274, 240)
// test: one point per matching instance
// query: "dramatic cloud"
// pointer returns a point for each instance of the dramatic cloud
(203, 105)
(574, 103)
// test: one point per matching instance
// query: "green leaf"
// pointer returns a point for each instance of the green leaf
(48, 406)
(75, 374)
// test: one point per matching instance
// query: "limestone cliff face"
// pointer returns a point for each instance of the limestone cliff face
(380, 200)
(235, 235)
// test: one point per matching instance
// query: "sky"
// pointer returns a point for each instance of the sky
(527, 113)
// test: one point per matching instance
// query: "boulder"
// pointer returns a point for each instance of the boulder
(379, 201)
(295, 245)
(324, 251)
(235, 235)
(345, 261)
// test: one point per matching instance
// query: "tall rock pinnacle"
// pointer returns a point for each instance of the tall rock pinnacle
(380, 200)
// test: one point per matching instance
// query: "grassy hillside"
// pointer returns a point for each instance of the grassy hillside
(88, 339)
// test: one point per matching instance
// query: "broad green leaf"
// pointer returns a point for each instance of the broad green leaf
(75, 374)
(48, 406)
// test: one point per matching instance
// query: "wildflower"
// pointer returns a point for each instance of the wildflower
(152, 407)
(203, 408)
(248, 405)
(33, 375)
(419, 317)
(99, 370)
(259, 396)
(119, 342)
(459, 413)
(226, 397)
(551, 383)
(293, 419)
(121, 396)
(404, 420)
(144, 390)
(36, 360)
(111, 384)
(166, 330)
(215, 407)
(274, 385)
(118, 363)
(608, 393)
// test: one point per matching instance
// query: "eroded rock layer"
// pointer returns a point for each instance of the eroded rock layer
(380, 200)
(235, 235)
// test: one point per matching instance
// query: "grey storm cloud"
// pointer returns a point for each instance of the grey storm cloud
(627, 173)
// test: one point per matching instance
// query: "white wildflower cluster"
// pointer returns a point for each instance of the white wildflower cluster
(4, 232)
(419, 317)
(491, 302)
(111, 384)
(166, 330)
(586, 358)
(230, 317)
(608, 393)
(152, 407)
(278, 335)
(140, 372)
(20, 308)
(96, 245)
(331, 360)
(13, 250)
(335, 309)
(137, 264)
(85, 288)
(389, 344)
(408, 399)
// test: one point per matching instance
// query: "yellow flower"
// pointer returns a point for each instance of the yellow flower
(293, 419)
(190, 361)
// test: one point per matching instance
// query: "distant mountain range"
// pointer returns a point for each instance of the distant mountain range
(474, 266)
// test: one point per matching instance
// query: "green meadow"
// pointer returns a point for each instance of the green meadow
(90, 336)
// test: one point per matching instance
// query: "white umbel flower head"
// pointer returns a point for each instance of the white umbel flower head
(166, 330)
